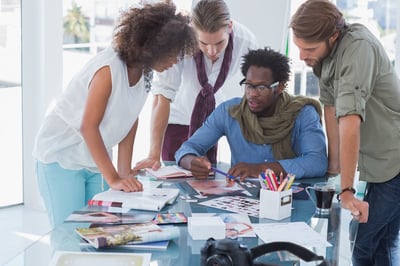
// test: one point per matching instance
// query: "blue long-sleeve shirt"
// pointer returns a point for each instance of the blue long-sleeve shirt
(308, 142)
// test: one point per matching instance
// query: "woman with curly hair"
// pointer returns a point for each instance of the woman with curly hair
(99, 109)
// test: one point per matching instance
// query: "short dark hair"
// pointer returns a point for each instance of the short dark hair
(148, 34)
(268, 58)
(316, 21)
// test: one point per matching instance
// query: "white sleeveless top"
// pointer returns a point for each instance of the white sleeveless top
(59, 139)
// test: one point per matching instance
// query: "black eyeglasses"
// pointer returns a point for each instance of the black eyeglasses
(259, 87)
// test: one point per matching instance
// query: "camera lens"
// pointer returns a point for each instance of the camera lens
(219, 260)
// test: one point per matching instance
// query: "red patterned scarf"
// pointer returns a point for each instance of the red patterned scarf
(205, 101)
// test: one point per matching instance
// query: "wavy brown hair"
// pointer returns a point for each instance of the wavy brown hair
(145, 35)
(316, 21)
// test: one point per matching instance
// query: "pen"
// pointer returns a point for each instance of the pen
(223, 173)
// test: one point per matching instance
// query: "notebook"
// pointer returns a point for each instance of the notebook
(150, 199)
(170, 171)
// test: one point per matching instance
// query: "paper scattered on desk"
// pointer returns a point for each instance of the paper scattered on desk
(70, 258)
(236, 224)
(297, 232)
(238, 204)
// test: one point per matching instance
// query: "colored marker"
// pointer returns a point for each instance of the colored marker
(271, 187)
(271, 175)
(290, 181)
(262, 183)
(283, 184)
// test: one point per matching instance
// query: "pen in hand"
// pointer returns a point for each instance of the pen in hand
(231, 177)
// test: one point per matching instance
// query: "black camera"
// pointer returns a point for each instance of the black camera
(230, 252)
(225, 252)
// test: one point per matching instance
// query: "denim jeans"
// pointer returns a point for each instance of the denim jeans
(64, 191)
(377, 241)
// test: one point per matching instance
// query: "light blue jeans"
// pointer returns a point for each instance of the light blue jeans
(64, 191)
(377, 241)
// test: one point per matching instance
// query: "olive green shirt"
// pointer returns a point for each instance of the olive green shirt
(358, 78)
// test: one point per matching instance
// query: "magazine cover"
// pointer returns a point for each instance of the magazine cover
(157, 245)
(103, 217)
(170, 218)
(114, 235)
(217, 187)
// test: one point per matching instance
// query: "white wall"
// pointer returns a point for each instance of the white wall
(267, 19)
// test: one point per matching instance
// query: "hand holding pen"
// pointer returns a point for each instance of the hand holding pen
(199, 166)
(230, 177)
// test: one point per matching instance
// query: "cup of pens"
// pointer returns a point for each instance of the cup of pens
(275, 196)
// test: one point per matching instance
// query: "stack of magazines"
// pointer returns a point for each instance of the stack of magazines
(128, 235)
(127, 230)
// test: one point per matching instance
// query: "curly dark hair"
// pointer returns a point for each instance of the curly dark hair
(153, 32)
(268, 58)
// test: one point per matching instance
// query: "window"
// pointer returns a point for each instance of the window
(98, 18)
(379, 16)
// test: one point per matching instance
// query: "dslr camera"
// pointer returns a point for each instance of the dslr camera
(230, 252)
(225, 252)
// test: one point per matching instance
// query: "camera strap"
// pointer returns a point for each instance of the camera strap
(301, 252)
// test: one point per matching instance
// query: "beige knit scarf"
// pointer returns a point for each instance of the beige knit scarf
(275, 130)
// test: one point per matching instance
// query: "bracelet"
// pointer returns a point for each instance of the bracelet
(344, 190)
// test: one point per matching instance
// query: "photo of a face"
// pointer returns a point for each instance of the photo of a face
(217, 188)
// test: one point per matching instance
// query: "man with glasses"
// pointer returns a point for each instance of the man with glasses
(266, 128)
(187, 93)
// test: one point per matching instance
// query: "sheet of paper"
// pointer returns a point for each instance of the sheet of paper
(237, 225)
(238, 204)
(61, 258)
(297, 232)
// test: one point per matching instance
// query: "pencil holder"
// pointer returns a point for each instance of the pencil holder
(275, 205)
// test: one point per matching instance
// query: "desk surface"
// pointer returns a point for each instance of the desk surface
(185, 251)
